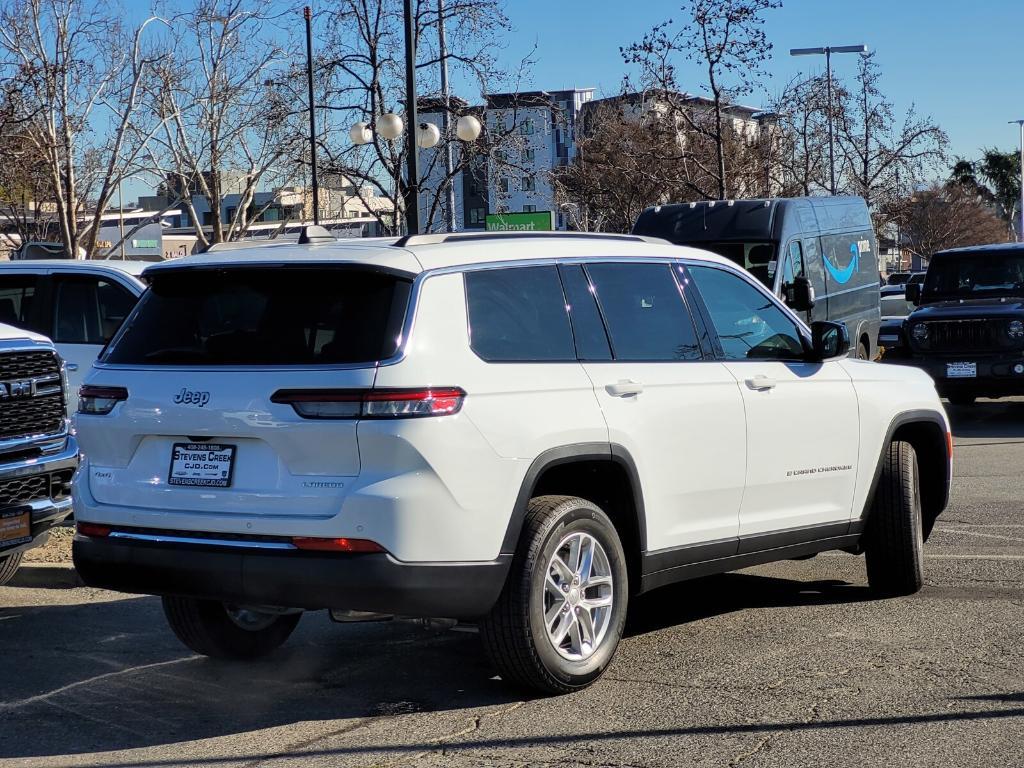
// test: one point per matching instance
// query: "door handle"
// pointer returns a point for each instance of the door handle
(624, 388)
(761, 383)
(72, 366)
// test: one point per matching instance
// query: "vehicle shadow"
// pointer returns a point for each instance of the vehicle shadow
(728, 592)
(113, 677)
(33, 576)
(118, 672)
(996, 419)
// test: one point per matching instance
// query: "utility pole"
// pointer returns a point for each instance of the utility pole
(828, 51)
(1020, 231)
(449, 207)
(308, 14)
(412, 182)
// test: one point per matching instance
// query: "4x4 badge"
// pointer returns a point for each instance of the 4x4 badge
(191, 397)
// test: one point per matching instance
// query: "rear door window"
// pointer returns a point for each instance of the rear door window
(587, 327)
(518, 314)
(87, 309)
(265, 316)
(644, 312)
(17, 301)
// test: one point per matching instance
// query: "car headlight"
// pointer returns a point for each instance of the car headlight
(1015, 329)
(919, 332)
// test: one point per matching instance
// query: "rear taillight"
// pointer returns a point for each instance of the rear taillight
(372, 403)
(316, 544)
(100, 401)
(92, 529)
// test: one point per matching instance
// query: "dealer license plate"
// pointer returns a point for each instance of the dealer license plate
(961, 370)
(204, 465)
(15, 527)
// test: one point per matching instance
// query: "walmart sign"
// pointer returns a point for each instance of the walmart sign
(537, 221)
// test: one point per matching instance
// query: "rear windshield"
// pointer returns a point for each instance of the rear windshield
(265, 316)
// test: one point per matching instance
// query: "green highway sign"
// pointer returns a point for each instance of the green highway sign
(536, 221)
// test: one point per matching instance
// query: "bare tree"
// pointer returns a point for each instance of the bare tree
(880, 153)
(727, 40)
(948, 216)
(802, 136)
(224, 128)
(82, 75)
(363, 76)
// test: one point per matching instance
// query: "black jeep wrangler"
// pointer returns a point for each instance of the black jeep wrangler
(968, 329)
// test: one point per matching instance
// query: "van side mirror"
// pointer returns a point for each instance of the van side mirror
(829, 340)
(914, 293)
(799, 295)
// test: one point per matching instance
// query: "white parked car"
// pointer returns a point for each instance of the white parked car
(77, 304)
(522, 431)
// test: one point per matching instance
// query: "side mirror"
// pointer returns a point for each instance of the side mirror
(799, 295)
(829, 340)
(914, 293)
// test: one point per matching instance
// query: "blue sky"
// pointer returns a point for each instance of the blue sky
(960, 62)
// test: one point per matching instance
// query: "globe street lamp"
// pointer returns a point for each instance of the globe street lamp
(390, 127)
(828, 51)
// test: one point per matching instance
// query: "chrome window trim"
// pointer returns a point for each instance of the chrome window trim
(233, 543)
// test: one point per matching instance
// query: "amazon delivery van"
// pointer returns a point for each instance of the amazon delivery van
(818, 254)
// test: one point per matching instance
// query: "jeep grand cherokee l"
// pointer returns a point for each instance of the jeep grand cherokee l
(516, 430)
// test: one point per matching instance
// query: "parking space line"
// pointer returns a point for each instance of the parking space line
(979, 533)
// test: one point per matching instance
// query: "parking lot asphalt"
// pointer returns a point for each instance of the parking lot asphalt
(781, 665)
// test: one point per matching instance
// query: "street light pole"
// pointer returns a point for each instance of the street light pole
(828, 51)
(1020, 232)
(412, 182)
(308, 14)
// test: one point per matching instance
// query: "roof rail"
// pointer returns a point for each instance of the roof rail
(445, 237)
(314, 233)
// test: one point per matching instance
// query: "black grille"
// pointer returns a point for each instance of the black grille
(26, 365)
(963, 335)
(24, 489)
(27, 416)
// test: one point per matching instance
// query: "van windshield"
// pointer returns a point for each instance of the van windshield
(290, 315)
(975, 274)
(758, 258)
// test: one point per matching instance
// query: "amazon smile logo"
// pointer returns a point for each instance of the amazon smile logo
(843, 275)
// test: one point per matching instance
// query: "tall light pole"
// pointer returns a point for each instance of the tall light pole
(412, 183)
(1020, 232)
(308, 14)
(828, 50)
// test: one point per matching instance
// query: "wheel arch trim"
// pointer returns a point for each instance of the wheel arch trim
(573, 454)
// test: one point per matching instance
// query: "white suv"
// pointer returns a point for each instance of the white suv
(522, 431)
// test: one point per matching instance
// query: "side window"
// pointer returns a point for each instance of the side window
(750, 326)
(88, 310)
(644, 312)
(17, 294)
(587, 328)
(518, 315)
(794, 265)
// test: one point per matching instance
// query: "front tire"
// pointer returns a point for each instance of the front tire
(214, 629)
(8, 567)
(894, 540)
(559, 618)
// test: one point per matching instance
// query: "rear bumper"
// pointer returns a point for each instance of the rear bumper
(292, 578)
(48, 511)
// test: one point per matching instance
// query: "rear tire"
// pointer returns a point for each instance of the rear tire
(862, 351)
(538, 607)
(8, 567)
(894, 540)
(207, 627)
